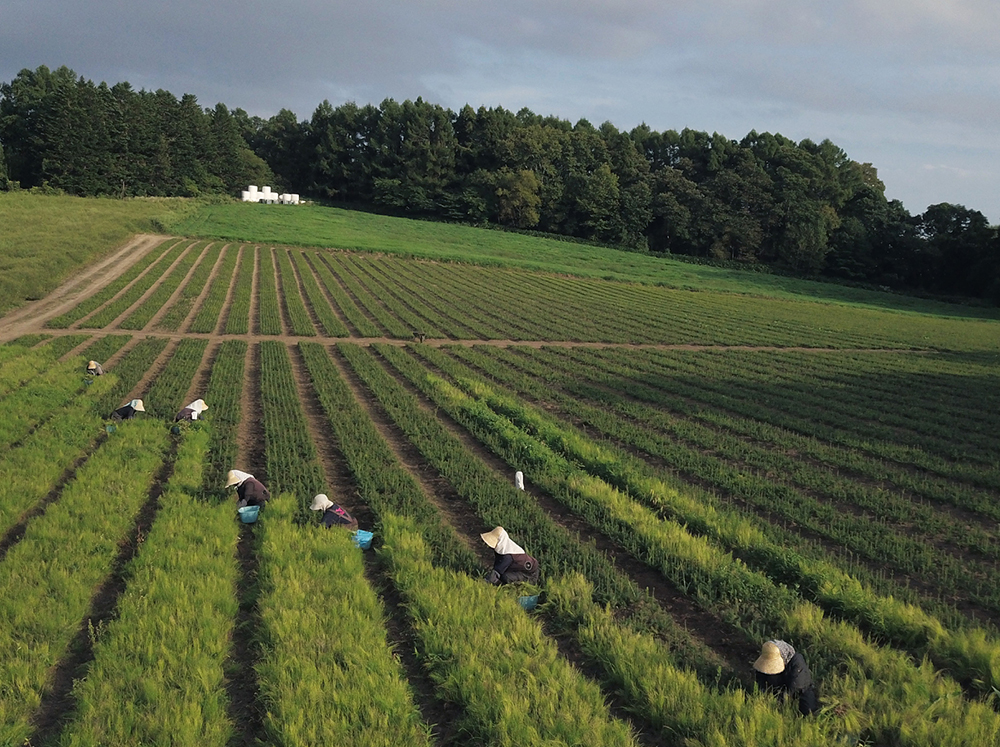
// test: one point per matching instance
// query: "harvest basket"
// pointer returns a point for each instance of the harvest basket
(363, 539)
(248, 514)
(528, 603)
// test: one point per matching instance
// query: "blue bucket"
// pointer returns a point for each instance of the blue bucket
(111, 428)
(248, 514)
(363, 539)
(529, 603)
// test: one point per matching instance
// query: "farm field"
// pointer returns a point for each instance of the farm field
(704, 470)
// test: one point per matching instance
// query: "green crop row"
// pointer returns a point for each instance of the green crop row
(970, 654)
(348, 308)
(382, 483)
(393, 326)
(166, 396)
(48, 578)
(122, 303)
(408, 308)
(107, 293)
(157, 673)
(60, 346)
(238, 319)
(486, 655)
(292, 463)
(156, 300)
(224, 395)
(24, 408)
(104, 347)
(738, 593)
(721, 462)
(332, 326)
(328, 675)
(496, 501)
(268, 305)
(129, 370)
(18, 366)
(181, 307)
(206, 319)
(298, 317)
(31, 469)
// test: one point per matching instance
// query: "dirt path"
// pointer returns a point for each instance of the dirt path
(30, 317)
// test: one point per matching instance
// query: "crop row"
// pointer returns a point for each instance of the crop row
(33, 467)
(269, 307)
(223, 396)
(393, 326)
(25, 407)
(45, 593)
(292, 463)
(156, 300)
(740, 594)
(328, 674)
(181, 307)
(968, 653)
(60, 346)
(744, 470)
(238, 319)
(348, 308)
(410, 308)
(129, 370)
(298, 317)
(157, 671)
(206, 318)
(104, 295)
(328, 320)
(135, 291)
(19, 366)
(166, 396)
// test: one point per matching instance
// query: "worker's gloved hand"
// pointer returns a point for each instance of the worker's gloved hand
(493, 578)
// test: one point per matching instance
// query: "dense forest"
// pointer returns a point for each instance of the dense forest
(767, 201)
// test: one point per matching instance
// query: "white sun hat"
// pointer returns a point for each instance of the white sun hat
(321, 503)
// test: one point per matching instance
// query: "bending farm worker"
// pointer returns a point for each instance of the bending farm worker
(333, 515)
(511, 564)
(781, 670)
(128, 411)
(94, 368)
(192, 411)
(249, 490)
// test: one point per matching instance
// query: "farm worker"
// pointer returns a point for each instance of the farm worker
(128, 411)
(780, 669)
(511, 564)
(94, 368)
(333, 515)
(249, 490)
(192, 411)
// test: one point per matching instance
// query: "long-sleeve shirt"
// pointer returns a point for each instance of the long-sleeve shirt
(252, 492)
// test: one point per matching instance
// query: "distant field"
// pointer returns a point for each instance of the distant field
(704, 469)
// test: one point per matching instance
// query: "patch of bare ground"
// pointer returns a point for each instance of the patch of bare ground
(58, 703)
(732, 647)
(84, 283)
(434, 712)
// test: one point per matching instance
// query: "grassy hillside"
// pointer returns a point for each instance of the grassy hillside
(43, 238)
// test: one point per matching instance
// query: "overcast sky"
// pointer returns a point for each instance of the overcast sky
(912, 86)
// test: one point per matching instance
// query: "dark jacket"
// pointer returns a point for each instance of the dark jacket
(796, 680)
(124, 413)
(251, 492)
(512, 569)
(336, 516)
(184, 414)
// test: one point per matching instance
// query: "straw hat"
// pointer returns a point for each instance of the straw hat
(235, 477)
(769, 661)
(137, 404)
(493, 537)
(321, 503)
(92, 365)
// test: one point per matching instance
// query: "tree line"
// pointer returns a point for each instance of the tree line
(802, 207)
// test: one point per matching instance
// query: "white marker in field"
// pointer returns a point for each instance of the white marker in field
(519, 480)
